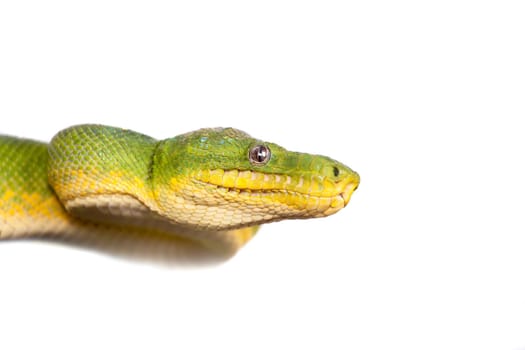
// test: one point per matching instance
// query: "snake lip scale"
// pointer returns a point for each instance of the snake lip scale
(344, 195)
(211, 188)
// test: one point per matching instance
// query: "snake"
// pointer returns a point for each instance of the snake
(211, 188)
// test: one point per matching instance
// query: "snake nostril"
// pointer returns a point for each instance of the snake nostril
(336, 171)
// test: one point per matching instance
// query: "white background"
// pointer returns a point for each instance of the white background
(424, 99)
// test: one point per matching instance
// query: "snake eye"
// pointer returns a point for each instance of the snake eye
(259, 155)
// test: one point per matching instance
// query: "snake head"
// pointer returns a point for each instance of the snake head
(224, 179)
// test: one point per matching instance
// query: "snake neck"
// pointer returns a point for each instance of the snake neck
(90, 162)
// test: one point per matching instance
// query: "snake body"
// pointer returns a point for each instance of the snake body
(210, 187)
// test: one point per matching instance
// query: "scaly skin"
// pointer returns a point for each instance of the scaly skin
(204, 186)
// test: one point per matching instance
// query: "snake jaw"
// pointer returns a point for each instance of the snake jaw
(218, 199)
(342, 199)
(349, 189)
(282, 196)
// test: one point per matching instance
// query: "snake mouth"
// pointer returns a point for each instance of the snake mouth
(342, 199)
(348, 191)
(315, 194)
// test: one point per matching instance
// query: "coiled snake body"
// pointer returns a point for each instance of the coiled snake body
(210, 187)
